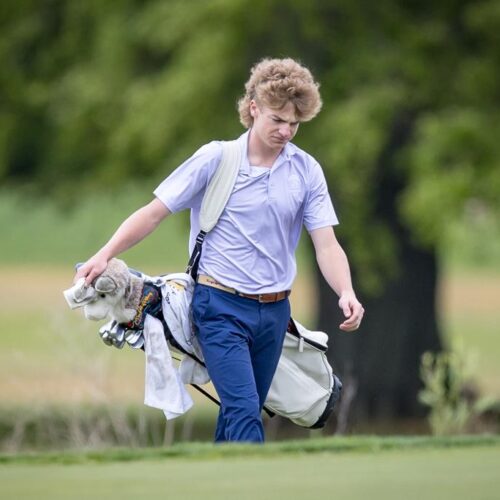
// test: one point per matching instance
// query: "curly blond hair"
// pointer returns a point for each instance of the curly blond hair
(274, 83)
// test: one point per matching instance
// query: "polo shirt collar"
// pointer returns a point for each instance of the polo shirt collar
(286, 153)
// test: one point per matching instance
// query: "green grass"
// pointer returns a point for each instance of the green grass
(479, 337)
(37, 231)
(470, 309)
(355, 468)
(332, 444)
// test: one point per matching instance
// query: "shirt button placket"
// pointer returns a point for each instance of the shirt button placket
(271, 188)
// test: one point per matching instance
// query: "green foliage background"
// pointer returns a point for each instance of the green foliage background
(96, 95)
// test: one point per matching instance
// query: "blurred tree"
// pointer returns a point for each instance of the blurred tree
(97, 92)
(413, 131)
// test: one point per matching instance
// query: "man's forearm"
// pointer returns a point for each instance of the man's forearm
(134, 229)
(334, 267)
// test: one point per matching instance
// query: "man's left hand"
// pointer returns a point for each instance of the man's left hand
(353, 311)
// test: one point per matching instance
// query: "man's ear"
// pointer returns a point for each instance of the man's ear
(253, 109)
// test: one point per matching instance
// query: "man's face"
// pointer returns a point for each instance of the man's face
(274, 127)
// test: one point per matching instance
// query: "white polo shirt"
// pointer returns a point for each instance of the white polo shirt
(252, 247)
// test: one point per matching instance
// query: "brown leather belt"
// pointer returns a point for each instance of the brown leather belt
(261, 297)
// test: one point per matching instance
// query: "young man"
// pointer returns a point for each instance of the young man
(240, 304)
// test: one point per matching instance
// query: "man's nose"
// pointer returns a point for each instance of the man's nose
(285, 131)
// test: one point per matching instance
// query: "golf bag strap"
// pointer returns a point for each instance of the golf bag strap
(194, 260)
(221, 185)
(216, 196)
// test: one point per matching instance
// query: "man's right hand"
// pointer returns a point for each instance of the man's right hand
(93, 268)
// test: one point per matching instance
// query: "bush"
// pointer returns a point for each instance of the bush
(449, 391)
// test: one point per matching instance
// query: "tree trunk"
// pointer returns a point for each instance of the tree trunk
(382, 358)
(379, 364)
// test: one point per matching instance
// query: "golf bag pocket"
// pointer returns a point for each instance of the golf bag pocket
(304, 388)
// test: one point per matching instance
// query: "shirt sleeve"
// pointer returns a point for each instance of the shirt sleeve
(186, 185)
(319, 211)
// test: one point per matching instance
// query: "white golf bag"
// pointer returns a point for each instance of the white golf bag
(304, 388)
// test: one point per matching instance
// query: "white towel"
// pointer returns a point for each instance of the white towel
(163, 387)
(177, 293)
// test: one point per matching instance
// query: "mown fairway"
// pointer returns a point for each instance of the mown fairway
(415, 473)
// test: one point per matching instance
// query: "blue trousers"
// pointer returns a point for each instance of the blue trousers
(241, 340)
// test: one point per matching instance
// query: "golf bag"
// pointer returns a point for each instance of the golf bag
(304, 388)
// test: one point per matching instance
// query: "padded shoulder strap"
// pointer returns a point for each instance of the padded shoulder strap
(221, 185)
